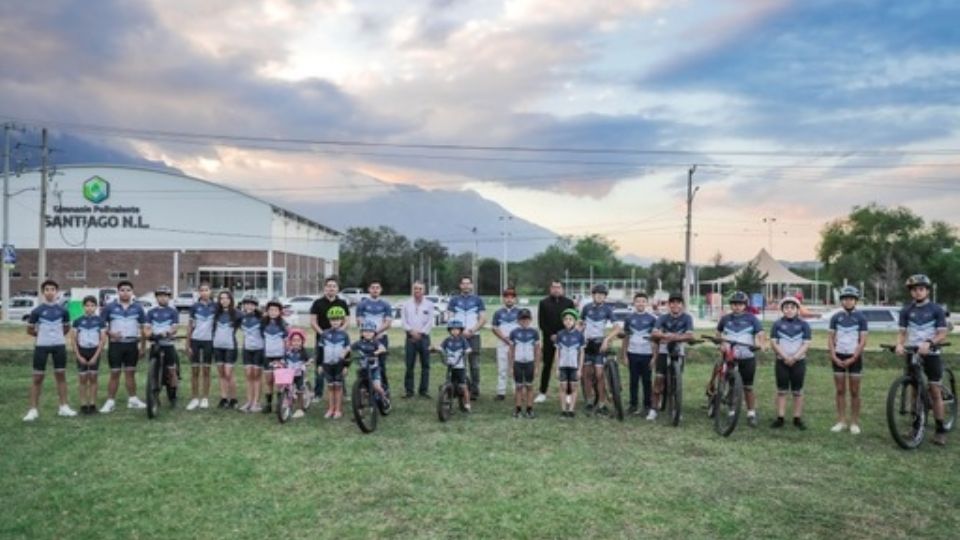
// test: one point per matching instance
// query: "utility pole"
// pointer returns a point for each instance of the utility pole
(7, 128)
(687, 278)
(504, 283)
(42, 248)
(770, 221)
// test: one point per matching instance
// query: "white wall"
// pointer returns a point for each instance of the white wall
(294, 236)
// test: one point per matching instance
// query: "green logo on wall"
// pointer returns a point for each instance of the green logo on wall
(96, 189)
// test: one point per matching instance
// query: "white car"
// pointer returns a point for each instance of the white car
(353, 295)
(21, 306)
(878, 317)
(185, 300)
(301, 304)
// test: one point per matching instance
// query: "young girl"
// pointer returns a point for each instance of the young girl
(225, 322)
(297, 358)
(274, 337)
(200, 347)
(336, 347)
(252, 325)
(791, 338)
(569, 360)
(89, 338)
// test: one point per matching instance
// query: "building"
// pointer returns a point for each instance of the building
(107, 223)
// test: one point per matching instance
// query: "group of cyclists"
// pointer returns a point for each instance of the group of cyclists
(583, 346)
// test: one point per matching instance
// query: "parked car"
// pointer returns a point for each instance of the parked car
(185, 300)
(353, 295)
(107, 295)
(886, 318)
(21, 306)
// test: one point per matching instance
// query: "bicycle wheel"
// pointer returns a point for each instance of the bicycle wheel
(906, 413)
(949, 390)
(445, 402)
(613, 386)
(154, 382)
(727, 401)
(364, 410)
(285, 403)
(676, 396)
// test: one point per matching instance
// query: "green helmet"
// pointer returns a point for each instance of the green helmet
(571, 312)
(336, 312)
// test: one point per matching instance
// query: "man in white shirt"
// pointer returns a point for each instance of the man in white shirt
(417, 315)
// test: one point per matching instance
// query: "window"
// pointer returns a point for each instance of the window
(35, 275)
(16, 275)
(114, 276)
(77, 275)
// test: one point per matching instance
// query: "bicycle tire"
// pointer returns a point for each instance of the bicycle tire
(364, 410)
(949, 393)
(445, 402)
(613, 386)
(154, 367)
(284, 404)
(911, 410)
(676, 405)
(727, 403)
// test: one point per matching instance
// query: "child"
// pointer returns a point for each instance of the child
(226, 319)
(672, 330)
(336, 347)
(274, 336)
(845, 343)
(89, 340)
(125, 318)
(253, 359)
(200, 346)
(504, 321)
(161, 326)
(369, 348)
(569, 359)
(790, 337)
(596, 316)
(744, 328)
(296, 358)
(456, 349)
(524, 362)
(636, 341)
(49, 323)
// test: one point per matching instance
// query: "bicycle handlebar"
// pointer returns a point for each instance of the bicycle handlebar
(718, 341)
(913, 348)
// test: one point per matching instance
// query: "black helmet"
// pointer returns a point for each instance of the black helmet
(275, 302)
(739, 297)
(524, 314)
(162, 289)
(675, 296)
(454, 323)
(250, 299)
(849, 292)
(599, 288)
(918, 280)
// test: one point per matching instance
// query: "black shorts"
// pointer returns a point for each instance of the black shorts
(225, 356)
(523, 373)
(568, 374)
(269, 362)
(458, 376)
(123, 355)
(662, 363)
(933, 368)
(201, 353)
(748, 371)
(253, 358)
(87, 353)
(333, 374)
(169, 355)
(790, 378)
(854, 370)
(42, 352)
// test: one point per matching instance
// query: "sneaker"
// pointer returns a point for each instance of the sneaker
(223, 403)
(65, 410)
(640, 412)
(204, 403)
(328, 414)
(466, 408)
(840, 426)
(194, 403)
(337, 415)
(652, 415)
(540, 398)
(425, 395)
(255, 409)
(940, 438)
(501, 397)
(298, 413)
(798, 422)
(516, 413)
(589, 407)
(135, 403)
(752, 420)
(108, 406)
(32, 415)
(778, 423)
(854, 429)
(474, 397)
(245, 407)
(603, 410)
(84, 409)
(530, 414)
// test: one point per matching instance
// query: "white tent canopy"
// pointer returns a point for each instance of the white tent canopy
(777, 273)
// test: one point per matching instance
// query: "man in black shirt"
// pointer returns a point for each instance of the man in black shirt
(550, 320)
(320, 322)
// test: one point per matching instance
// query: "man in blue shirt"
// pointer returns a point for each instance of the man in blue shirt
(639, 350)
(49, 323)
(378, 311)
(469, 309)
(124, 318)
(504, 322)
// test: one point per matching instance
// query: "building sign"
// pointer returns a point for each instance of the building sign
(97, 190)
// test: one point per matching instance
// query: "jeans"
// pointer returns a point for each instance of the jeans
(549, 350)
(319, 379)
(639, 368)
(474, 359)
(411, 350)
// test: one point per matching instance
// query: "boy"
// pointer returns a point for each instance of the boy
(125, 318)
(791, 338)
(524, 355)
(675, 326)
(161, 328)
(49, 323)
(89, 339)
(335, 344)
(636, 341)
(504, 322)
(368, 347)
(456, 349)
(200, 347)
(569, 360)
(846, 340)
(744, 328)
(596, 315)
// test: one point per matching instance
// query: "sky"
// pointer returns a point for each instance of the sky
(583, 117)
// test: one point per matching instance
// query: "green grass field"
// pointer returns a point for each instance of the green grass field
(220, 474)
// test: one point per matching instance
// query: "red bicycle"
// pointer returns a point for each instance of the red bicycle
(725, 396)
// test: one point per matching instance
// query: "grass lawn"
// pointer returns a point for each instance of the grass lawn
(218, 474)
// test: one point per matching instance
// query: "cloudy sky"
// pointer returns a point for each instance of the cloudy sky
(583, 117)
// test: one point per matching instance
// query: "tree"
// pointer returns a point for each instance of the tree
(717, 269)
(667, 274)
(382, 253)
(749, 279)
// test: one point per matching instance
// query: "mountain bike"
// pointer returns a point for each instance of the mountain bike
(449, 393)
(158, 376)
(611, 376)
(725, 401)
(909, 400)
(671, 397)
(367, 404)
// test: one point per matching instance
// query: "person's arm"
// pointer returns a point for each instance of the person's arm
(510, 357)
(542, 317)
(66, 323)
(481, 320)
(405, 316)
(580, 363)
(807, 337)
(32, 323)
(430, 319)
(190, 325)
(902, 335)
(862, 344)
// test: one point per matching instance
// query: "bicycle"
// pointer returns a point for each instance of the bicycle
(909, 400)
(287, 391)
(158, 376)
(725, 403)
(671, 397)
(367, 404)
(611, 375)
(449, 392)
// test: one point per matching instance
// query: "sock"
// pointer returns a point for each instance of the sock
(269, 398)
(751, 413)
(780, 418)
(517, 409)
(940, 427)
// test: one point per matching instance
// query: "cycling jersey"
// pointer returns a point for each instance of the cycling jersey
(670, 324)
(376, 310)
(524, 344)
(569, 344)
(252, 327)
(595, 318)
(740, 328)
(295, 358)
(125, 320)
(161, 320)
(367, 351)
(334, 341)
(88, 328)
(202, 314)
(48, 320)
(455, 350)
(790, 334)
(638, 327)
(922, 321)
(466, 309)
(274, 336)
(505, 320)
(847, 325)
(225, 330)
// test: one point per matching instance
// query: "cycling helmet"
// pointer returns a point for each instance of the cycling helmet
(275, 302)
(524, 314)
(250, 299)
(454, 323)
(162, 289)
(296, 332)
(849, 292)
(336, 312)
(791, 300)
(739, 297)
(599, 288)
(918, 280)
(368, 326)
(571, 312)
(675, 296)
